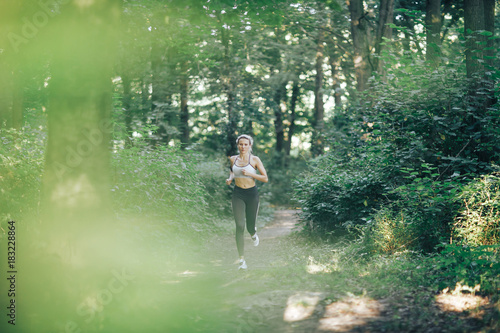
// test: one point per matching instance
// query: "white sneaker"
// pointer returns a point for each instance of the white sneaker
(243, 264)
(255, 239)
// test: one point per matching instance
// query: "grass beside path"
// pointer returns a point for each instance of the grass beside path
(294, 284)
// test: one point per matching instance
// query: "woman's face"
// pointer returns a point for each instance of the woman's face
(244, 145)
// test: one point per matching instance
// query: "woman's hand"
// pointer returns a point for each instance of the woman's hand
(228, 181)
(246, 173)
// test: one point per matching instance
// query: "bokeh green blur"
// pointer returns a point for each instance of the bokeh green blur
(81, 266)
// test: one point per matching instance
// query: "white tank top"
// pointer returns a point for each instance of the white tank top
(237, 170)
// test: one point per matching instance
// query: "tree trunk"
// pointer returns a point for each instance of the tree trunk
(227, 85)
(359, 33)
(386, 17)
(473, 23)
(75, 203)
(477, 23)
(76, 182)
(433, 30)
(292, 116)
(334, 68)
(164, 80)
(317, 145)
(279, 128)
(126, 99)
(489, 25)
(184, 117)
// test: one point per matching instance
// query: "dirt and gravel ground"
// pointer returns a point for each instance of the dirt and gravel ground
(285, 291)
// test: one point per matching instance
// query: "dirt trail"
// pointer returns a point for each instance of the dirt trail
(271, 236)
(286, 290)
(261, 295)
(281, 293)
(284, 222)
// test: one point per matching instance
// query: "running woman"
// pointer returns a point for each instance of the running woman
(245, 199)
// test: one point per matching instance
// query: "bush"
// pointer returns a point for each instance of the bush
(428, 203)
(390, 231)
(282, 172)
(342, 192)
(478, 221)
(165, 183)
(468, 266)
(401, 155)
(212, 175)
(21, 168)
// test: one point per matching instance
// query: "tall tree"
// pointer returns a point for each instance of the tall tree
(384, 29)
(228, 88)
(75, 201)
(360, 42)
(164, 74)
(184, 96)
(15, 38)
(76, 182)
(433, 23)
(317, 144)
(293, 115)
(479, 26)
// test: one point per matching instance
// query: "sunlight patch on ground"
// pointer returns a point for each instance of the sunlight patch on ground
(301, 306)
(315, 267)
(457, 301)
(344, 315)
(185, 274)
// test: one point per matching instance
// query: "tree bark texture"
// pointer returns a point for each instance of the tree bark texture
(184, 116)
(474, 21)
(292, 116)
(76, 175)
(317, 145)
(433, 24)
(386, 17)
(227, 85)
(359, 34)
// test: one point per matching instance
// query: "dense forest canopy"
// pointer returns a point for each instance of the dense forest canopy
(375, 117)
(370, 85)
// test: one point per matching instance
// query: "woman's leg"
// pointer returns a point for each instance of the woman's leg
(252, 209)
(239, 218)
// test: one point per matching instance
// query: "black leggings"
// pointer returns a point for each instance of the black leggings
(245, 206)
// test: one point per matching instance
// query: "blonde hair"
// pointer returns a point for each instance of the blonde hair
(245, 136)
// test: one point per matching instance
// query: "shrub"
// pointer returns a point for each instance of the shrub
(390, 231)
(212, 174)
(162, 183)
(21, 167)
(342, 192)
(468, 266)
(478, 221)
(429, 203)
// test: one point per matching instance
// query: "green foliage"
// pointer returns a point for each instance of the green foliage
(428, 203)
(342, 191)
(212, 174)
(400, 157)
(282, 172)
(170, 184)
(469, 266)
(21, 167)
(478, 221)
(390, 232)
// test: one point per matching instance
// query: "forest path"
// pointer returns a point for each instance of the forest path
(274, 293)
(292, 285)
(286, 289)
